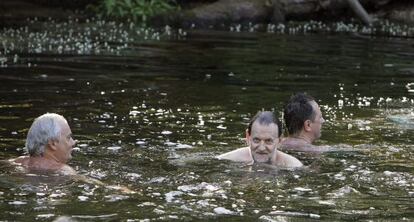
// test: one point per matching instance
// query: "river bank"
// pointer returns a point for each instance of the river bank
(207, 14)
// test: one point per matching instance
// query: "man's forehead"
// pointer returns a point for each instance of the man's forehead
(315, 105)
(64, 126)
(257, 126)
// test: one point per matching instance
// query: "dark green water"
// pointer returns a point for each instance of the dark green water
(151, 115)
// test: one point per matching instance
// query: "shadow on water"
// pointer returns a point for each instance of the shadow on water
(151, 110)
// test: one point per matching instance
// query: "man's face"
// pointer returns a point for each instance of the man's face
(263, 141)
(316, 124)
(65, 144)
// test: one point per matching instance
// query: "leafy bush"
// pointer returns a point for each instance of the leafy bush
(137, 10)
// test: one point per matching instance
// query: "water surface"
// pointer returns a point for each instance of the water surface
(151, 108)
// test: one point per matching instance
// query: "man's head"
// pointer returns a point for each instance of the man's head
(50, 132)
(263, 135)
(303, 116)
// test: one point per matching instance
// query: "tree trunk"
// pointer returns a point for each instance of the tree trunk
(360, 11)
(299, 8)
(262, 11)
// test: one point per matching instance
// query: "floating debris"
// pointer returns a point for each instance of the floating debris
(343, 191)
(295, 214)
(202, 186)
(222, 210)
(140, 142)
(183, 146)
(327, 203)
(17, 202)
(116, 197)
(133, 176)
(103, 216)
(44, 216)
(169, 197)
(157, 180)
(166, 132)
(147, 204)
(302, 189)
(83, 198)
(114, 148)
(410, 87)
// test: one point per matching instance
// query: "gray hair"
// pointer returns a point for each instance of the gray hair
(44, 128)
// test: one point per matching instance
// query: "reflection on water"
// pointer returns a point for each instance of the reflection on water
(403, 117)
(151, 111)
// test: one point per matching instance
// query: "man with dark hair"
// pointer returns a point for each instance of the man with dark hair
(263, 137)
(304, 120)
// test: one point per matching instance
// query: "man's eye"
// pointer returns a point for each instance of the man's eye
(269, 141)
(256, 140)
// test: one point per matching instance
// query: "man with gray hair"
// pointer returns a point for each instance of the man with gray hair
(49, 144)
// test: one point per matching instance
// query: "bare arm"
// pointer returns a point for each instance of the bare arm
(238, 155)
(93, 181)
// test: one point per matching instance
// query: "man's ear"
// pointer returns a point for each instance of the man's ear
(307, 125)
(52, 144)
(247, 136)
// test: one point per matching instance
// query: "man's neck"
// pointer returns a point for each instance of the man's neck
(301, 138)
(42, 163)
(50, 157)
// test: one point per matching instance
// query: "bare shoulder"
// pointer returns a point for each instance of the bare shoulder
(286, 160)
(289, 144)
(238, 155)
(67, 170)
(297, 145)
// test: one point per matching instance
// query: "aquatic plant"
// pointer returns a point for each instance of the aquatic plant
(137, 10)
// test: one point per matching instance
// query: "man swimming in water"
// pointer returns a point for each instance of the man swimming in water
(49, 144)
(263, 136)
(304, 120)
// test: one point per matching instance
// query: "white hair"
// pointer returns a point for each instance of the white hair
(44, 128)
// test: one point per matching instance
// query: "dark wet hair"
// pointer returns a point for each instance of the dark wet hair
(265, 118)
(297, 110)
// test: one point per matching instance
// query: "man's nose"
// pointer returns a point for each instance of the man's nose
(74, 142)
(261, 146)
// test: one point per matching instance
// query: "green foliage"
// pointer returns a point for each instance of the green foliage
(137, 10)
